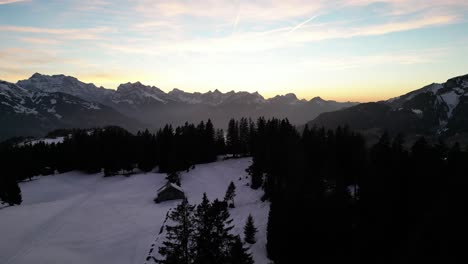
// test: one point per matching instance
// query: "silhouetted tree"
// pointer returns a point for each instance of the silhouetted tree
(250, 230)
(178, 247)
(230, 194)
(239, 254)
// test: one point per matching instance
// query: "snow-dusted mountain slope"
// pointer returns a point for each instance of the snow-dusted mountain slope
(77, 218)
(66, 84)
(137, 93)
(33, 112)
(436, 109)
(152, 106)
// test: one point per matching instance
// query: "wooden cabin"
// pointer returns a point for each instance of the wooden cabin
(168, 192)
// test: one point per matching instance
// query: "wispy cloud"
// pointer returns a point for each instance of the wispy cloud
(255, 41)
(4, 2)
(41, 41)
(406, 57)
(330, 31)
(64, 33)
(225, 38)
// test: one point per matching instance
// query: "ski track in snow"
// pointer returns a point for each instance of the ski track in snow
(78, 218)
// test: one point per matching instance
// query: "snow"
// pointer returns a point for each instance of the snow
(417, 111)
(149, 95)
(123, 101)
(451, 99)
(459, 90)
(432, 88)
(76, 218)
(90, 106)
(464, 84)
(435, 87)
(65, 84)
(24, 110)
(45, 140)
(51, 110)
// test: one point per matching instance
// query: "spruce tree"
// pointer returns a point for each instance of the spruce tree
(244, 137)
(203, 225)
(10, 192)
(239, 254)
(256, 176)
(221, 237)
(230, 194)
(178, 247)
(220, 142)
(249, 231)
(232, 143)
(210, 142)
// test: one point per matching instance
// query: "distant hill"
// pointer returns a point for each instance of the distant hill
(434, 110)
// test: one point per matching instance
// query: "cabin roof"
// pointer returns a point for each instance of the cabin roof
(170, 185)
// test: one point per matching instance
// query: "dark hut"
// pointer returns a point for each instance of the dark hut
(168, 192)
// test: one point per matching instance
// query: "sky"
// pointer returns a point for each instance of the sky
(345, 50)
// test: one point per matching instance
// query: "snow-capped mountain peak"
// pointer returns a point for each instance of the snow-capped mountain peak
(288, 98)
(216, 97)
(65, 84)
(138, 93)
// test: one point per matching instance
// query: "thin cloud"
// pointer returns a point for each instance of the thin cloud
(286, 37)
(41, 41)
(65, 33)
(4, 2)
(407, 57)
(327, 31)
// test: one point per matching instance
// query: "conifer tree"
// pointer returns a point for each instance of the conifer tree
(232, 143)
(179, 244)
(220, 142)
(249, 231)
(230, 194)
(244, 137)
(147, 151)
(239, 254)
(256, 176)
(221, 237)
(10, 192)
(210, 143)
(203, 225)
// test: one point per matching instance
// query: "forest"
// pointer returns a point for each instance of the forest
(333, 198)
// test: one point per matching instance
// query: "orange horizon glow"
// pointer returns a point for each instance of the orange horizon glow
(342, 50)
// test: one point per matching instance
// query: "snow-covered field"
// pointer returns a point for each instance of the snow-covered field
(78, 218)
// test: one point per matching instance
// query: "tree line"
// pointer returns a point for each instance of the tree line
(114, 150)
(335, 200)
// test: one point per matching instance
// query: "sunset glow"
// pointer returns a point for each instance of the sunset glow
(356, 50)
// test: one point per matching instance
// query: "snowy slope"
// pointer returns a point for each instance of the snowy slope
(78, 218)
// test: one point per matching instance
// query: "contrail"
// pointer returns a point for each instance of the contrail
(236, 21)
(234, 26)
(302, 24)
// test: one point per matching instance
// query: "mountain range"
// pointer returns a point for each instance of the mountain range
(438, 109)
(34, 106)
